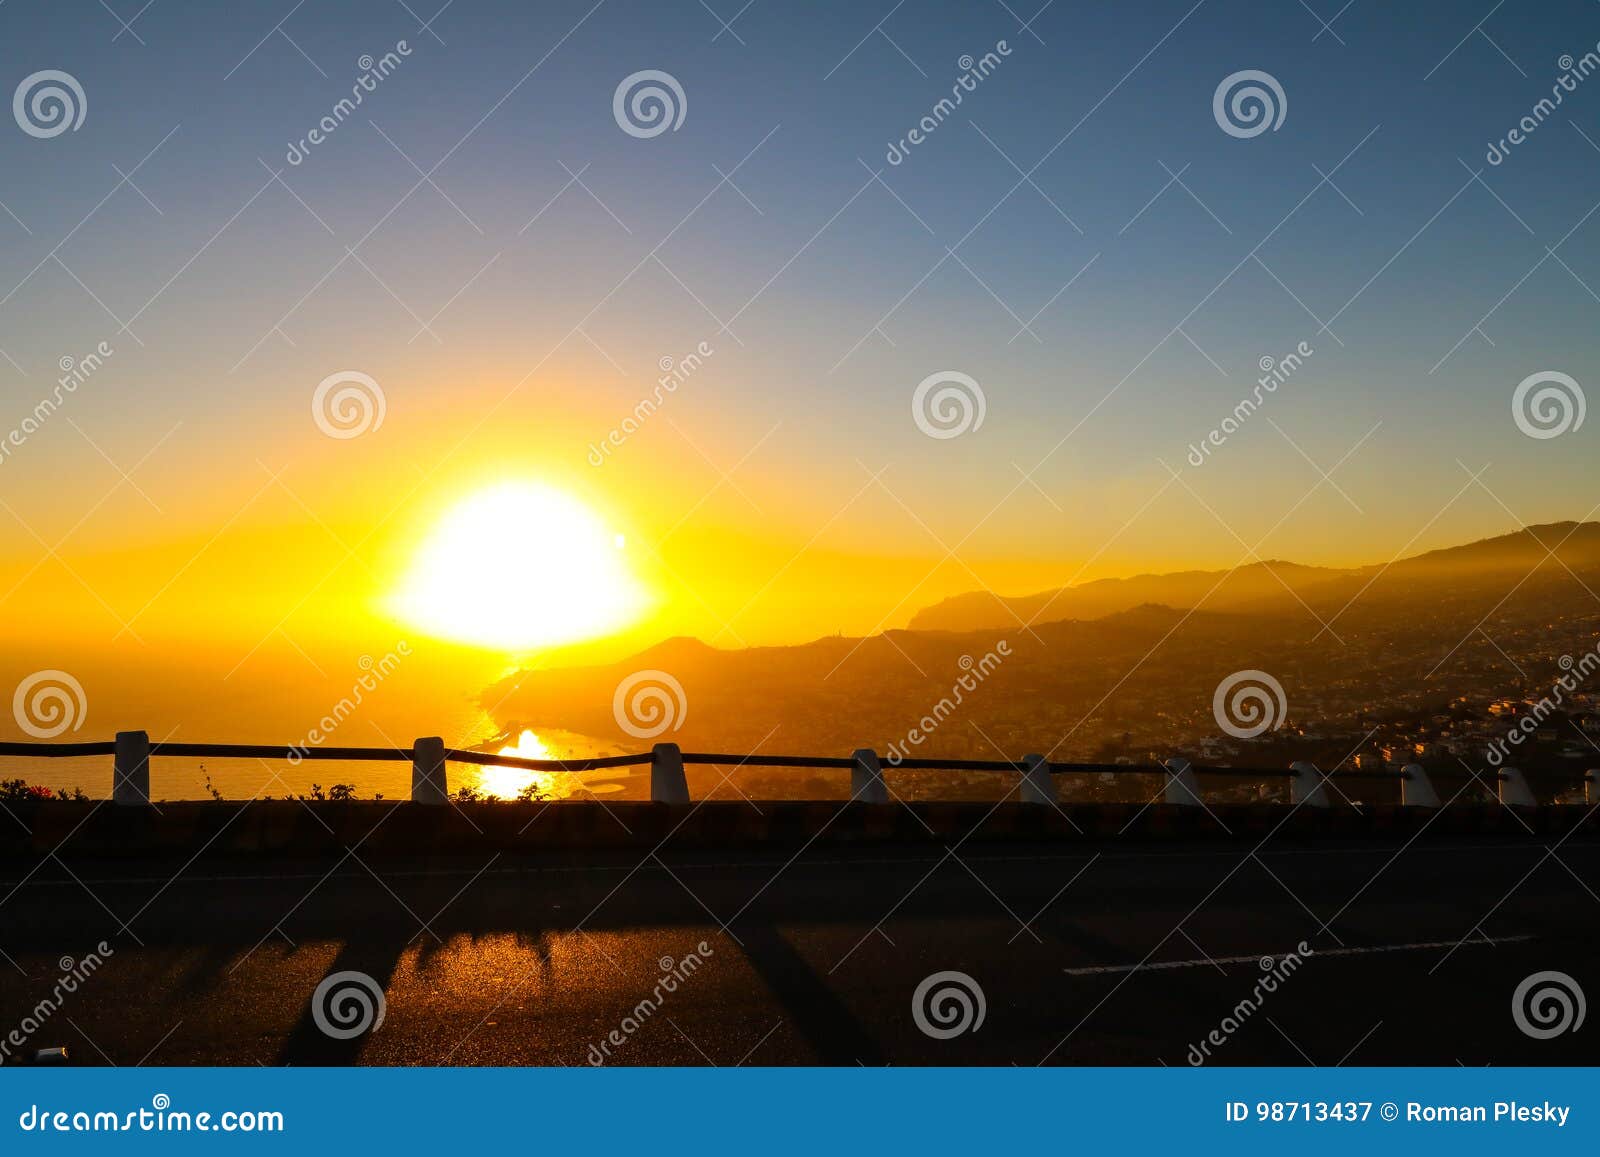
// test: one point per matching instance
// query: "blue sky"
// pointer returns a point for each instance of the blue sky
(828, 279)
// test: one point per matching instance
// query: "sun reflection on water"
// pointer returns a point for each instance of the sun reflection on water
(511, 782)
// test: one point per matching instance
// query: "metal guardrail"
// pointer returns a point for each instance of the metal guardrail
(132, 751)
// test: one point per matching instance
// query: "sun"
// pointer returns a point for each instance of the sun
(516, 566)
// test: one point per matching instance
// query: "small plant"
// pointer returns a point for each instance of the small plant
(335, 793)
(21, 791)
(211, 788)
(467, 795)
(532, 794)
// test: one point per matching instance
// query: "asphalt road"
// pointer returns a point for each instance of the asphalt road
(1084, 955)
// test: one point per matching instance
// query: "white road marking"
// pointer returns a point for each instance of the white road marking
(1102, 969)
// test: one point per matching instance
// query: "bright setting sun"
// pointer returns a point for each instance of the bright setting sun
(519, 565)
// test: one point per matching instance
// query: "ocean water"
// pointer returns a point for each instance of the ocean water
(295, 703)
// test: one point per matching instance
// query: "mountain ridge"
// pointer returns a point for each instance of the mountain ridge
(1269, 587)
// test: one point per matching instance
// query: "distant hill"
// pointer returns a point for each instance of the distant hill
(1247, 587)
(1575, 543)
(1121, 666)
(827, 694)
(1274, 587)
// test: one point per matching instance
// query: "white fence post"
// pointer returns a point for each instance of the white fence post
(1416, 789)
(130, 769)
(667, 781)
(1307, 786)
(1182, 788)
(1037, 784)
(1514, 789)
(427, 772)
(866, 777)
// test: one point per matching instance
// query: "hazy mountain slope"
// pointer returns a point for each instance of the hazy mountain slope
(1277, 588)
(1245, 587)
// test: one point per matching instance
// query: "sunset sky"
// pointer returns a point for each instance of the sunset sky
(183, 509)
